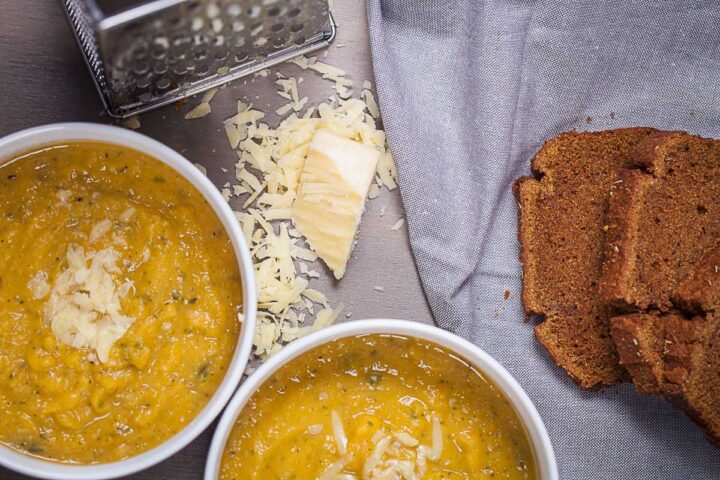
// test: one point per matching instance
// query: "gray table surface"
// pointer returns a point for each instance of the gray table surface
(43, 80)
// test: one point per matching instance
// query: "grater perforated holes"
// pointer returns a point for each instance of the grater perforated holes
(165, 55)
(234, 10)
(163, 84)
(143, 82)
(160, 68)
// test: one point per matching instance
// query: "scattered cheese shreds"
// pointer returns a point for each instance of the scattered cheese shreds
(373, 108)
(133, 123)
(285, 109)
(100, 229)
(199, 111)
(339, 433)
(437, 440)
(202, 168)
(333, 471)
(268, 175)
(374, 191)
(208, 96)
(315, 296)
(315, 429)
(398, 225)
(233, 133)
(39, 285)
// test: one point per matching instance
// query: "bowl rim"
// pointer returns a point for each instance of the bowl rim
(51, 134)
(534, 426)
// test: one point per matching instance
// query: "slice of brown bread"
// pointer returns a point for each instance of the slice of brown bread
(676, 357)
(692, 371)
(562, 212)
(663, 217)
(640, 341)
(700, 290)
(684, 341)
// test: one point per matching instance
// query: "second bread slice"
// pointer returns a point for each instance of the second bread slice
(676, 357)
(663, 216)
(562, 212)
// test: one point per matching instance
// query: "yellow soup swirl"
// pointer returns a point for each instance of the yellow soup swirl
(373, 408)
(119, 303)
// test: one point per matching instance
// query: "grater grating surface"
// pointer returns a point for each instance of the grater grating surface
(145, 54)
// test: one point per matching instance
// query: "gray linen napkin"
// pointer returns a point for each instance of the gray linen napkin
(468, 91)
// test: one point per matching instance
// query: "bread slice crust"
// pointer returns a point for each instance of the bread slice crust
(562, 210)
(692, 372)
(640, 341)
(700, 290)
(664, 215)
(678, 357)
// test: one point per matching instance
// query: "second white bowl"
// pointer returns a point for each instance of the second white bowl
(529, 416)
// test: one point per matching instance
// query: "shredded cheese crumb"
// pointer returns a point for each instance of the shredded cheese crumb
(374, 191)
(199, 111)
(369, 98)
(209, 95)
(99, 230)
(315, 429)
(398, 225)
(437, 440)
(127, 215)
(133, 123)
(339, 433)
(83, 309)
(39, 285)
(202, 168)
(332, 472)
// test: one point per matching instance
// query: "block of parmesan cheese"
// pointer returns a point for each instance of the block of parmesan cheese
(334, 184)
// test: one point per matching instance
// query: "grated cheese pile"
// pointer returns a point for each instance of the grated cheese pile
(268, 170)
(83, 309)
(395, 455)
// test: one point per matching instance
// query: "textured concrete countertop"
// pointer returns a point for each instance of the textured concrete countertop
(43, 79)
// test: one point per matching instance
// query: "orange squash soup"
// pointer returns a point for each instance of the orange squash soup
(119, 303)
(378, 407)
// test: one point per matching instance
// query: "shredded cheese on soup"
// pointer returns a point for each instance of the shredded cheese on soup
(84, 309)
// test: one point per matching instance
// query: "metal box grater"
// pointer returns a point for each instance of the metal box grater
(147, 53)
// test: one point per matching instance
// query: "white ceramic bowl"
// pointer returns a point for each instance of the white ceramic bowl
(539, 439)
(62, 132)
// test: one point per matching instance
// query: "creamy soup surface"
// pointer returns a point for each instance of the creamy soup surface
(106, 235)
(378, 407)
